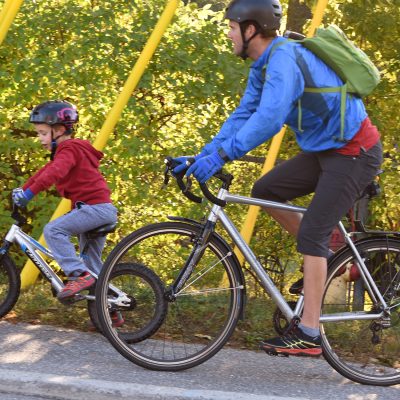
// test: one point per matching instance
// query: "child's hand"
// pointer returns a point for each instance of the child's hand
(20, 197)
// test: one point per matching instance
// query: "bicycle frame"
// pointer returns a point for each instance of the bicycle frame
(30, 247)
(218, 213)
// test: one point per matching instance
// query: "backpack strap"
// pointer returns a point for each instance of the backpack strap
(334, 89)
(272, 51)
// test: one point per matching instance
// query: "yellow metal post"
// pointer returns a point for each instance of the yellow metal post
(4, 10)
(317, 17)
(7, 15)
(30, 272)
(251, 217)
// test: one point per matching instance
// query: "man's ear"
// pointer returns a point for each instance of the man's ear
(250, 31)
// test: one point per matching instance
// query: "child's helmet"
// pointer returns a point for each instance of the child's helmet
(55, 112)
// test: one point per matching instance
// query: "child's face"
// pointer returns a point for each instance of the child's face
(44, 134)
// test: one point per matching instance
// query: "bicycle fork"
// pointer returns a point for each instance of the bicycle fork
(197, 252)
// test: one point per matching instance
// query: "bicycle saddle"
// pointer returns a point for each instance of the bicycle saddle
(103, 229)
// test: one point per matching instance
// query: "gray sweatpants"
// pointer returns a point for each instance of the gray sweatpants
(80, 220)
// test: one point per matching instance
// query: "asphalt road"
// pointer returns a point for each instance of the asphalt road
(38, 362)
(7, 396)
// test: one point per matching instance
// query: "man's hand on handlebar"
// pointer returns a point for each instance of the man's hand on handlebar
(226, 180)
(205, 167)
(185, 162)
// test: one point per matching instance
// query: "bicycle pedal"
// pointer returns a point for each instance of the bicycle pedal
(274, 353)
(71, 300)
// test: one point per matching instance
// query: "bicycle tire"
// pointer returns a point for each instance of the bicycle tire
(10, 285)
(201, 319)
(365, 351)
(152, 281)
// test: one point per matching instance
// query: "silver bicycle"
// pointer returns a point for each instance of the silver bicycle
(145, 282)
(205, 292)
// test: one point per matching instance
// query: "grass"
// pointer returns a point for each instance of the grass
(37, 305)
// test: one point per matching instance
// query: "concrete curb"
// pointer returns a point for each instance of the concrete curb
(64, 387)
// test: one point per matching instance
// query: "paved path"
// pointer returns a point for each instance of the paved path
(57, 363)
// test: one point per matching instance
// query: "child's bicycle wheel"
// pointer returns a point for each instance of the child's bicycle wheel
(10, 285)
(146, 292)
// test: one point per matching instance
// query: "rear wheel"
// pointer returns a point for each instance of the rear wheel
(10, 285)
(366, 351)
(200, 317)
(143, 288)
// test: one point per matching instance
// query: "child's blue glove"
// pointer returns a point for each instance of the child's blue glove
(206, 167)
(21, 198)
(183, 162)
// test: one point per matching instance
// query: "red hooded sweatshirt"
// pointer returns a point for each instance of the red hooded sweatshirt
(75, 173)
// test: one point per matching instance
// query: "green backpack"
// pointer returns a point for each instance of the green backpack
(359, 74)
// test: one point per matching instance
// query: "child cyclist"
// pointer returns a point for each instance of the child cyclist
(74, 170)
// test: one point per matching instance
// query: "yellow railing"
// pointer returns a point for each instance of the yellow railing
(7, 15)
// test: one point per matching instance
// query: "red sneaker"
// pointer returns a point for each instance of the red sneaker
(76, 285)
(117, 319)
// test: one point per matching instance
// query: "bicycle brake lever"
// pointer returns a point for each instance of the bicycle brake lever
(166, 177)
(169, 166)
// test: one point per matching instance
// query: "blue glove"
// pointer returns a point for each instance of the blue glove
(206, 167)
(21, 198)
(183, 160)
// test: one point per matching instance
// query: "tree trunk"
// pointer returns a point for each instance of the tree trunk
(297, 15)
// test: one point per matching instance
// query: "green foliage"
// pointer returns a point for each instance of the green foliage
(84, 50)
(191, 84)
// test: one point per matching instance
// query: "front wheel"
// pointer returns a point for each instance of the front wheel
(10, 285)
(364, 350)
(200, 318)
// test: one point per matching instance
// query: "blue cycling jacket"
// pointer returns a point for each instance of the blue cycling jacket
(271, 100)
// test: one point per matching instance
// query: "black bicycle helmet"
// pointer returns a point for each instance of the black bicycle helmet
(55, 112)
(267, 13)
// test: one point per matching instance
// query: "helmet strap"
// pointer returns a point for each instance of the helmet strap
(243, 54)
(54, 143)
(53, 149)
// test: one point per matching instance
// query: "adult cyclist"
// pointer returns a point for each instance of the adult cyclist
(335, 171)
